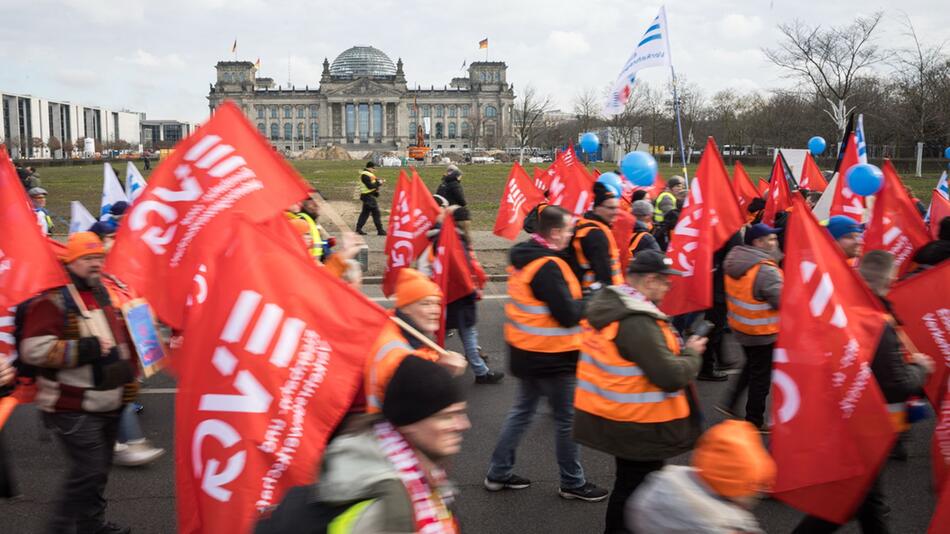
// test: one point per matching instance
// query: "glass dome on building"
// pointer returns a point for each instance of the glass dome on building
(362, 61)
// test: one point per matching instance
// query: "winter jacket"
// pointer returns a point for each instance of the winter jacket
(641, 341)
(461, 312)
(898, 379)
(719, 276)
(675, 500)
(596, 247)
(550, 287)
(451, 190)
(73, 373)
(354, 470)
(647, 242)
(933, 253)
(767, 286)
(366, 177)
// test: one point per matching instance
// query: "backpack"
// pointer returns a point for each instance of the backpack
(26, 373)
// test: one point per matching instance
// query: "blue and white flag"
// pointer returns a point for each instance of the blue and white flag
(111, 192)
(653, 50)
(134, 182)
(943, 186)
(79, 217)
(862, 140)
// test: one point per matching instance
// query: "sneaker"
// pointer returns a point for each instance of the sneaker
(135, 453)
(491, 377)
(512, 482)
(588, 492)
(112, 528)
(712, 376)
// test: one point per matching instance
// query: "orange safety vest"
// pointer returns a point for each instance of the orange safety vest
(612, 387)
(584, 227)
(635, 242)
(530, 325)
(390, 349)
(746, 314)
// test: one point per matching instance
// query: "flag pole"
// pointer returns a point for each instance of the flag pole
(679, 126)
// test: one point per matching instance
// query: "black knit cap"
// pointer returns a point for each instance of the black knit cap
(601, 193)
(418, 389)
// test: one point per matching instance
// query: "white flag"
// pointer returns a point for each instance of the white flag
(653, 50)
(862, 140)
(134, 182)
(79, 217)
(943, 186)
(111, 192)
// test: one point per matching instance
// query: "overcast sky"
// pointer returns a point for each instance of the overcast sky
(158, 56)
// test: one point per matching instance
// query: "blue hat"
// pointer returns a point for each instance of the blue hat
(841, 225)
(119, 207)
(101, 229)
(759, 230)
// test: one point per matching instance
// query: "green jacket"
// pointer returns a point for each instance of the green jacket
(640, 340)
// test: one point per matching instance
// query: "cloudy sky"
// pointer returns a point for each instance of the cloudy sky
(159, 56)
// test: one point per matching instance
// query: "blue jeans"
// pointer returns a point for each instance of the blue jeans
(469, 338)
(129, 427)
(559, 391)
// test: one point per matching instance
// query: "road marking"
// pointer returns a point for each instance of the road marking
(486, 297)
(158, 391)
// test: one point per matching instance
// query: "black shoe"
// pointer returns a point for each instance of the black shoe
(112, 528)
(380, 232)
(491, 377)
(712, 376)
(588, 492)
(360, 232)
(512, 482)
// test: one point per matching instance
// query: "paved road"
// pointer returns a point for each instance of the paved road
(145, 497)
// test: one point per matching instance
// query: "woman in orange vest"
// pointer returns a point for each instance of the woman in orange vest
(594, 255)
(419, 304)
(632, 400)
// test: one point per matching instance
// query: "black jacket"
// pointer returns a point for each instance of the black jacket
(596, 247)
(372, 185)
(897, 378)
(550, 287)
(647, 242)
(451, 190)
(933, 253)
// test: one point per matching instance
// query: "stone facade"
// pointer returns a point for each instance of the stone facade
(364, 103)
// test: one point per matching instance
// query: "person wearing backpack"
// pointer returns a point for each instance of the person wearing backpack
(84, 376)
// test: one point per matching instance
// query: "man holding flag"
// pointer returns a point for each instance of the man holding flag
(595, 257)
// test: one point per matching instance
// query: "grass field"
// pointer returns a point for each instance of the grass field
(337, 180)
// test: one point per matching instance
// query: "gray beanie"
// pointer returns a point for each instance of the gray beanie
(642, 208)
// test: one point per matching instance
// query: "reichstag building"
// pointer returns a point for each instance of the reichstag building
(364, 103)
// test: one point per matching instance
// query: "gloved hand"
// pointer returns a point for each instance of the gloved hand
(130, 392)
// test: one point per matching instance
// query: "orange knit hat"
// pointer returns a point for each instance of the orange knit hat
(82, 244)
(732, 461)
(412, 286)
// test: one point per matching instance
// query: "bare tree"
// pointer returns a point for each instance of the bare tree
(529, 117)
(829, 59)
(587, 109)
(475, 121)
(917, 71)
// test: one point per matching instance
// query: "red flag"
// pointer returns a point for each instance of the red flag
(939, 208)
(450, 269)
(224, 170)
(763, 187)
(922, 303)
(570, 183)
(812, 177)
(519, 197)
(413, 213)
(622, 228)
(779, 197)
(845, 201)
(273, 364)
(542, 180)
(742, 184)
(895, 224)
(711, 216)
(27, 264)
(940, 522)
(832, 432)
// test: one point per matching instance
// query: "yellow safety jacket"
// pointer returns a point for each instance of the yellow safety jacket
(657, 214)
(366, 190)
(584, 227)
(746, 314)
(317, 249)
(615, 388)
(530, 325)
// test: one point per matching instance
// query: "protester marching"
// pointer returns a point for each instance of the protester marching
(706, 347)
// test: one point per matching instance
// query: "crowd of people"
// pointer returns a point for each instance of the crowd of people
(582, 332)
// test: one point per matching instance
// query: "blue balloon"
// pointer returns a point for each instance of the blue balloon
(590, 142)
(639, 168)
(612, 182)
(865, 179)
(946, 153)
(817, 145)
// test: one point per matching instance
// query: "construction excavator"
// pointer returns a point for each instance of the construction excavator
(419, 151)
